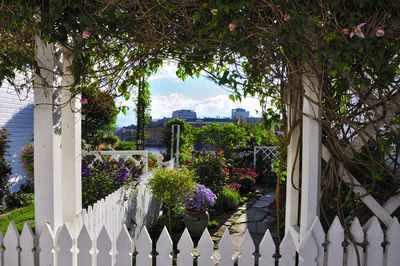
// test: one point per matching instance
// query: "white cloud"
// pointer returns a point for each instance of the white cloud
(219, 105)
(167, 71)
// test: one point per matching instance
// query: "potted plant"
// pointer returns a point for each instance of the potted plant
(196, 204)
(170, 187)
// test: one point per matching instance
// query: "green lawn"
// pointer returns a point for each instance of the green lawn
(19, 216)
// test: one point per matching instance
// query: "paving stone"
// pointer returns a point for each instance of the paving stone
(240, 227)
(242, 218)
(256, 219)
(264, 202)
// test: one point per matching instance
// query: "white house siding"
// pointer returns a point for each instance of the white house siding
(16, 115)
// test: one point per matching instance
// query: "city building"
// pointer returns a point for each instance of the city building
(240, 114)
(184, 114)
(155, 132)
(208, 120)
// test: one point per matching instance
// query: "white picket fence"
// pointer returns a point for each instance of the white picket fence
(61, 248)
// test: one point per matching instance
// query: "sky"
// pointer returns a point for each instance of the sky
(169, 93)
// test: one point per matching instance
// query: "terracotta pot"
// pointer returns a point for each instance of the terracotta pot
(196, 222)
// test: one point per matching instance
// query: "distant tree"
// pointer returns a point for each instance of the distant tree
(99, 116)
(222, 137)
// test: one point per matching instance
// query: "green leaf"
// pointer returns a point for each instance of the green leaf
(124, 109)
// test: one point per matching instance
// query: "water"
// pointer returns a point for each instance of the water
(156, 149)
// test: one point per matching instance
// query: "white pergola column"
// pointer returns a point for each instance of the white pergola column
(293, 163)
(71, 145)
(311, 152)
(47, 141)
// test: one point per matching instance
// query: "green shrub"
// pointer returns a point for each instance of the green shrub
(186, 140)
(213, 224)
(228, 199)
(246, 182)
(152, 160)
(19, 199)
(209, 172)
(170, 187)
(125, 146)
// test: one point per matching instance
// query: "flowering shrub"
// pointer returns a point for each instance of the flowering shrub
(233, 186)
(5, 169)
(102, 178)
(239, 173)
(27, 161)
(208, 168)
(200, 199)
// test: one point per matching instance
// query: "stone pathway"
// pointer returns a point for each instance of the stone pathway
(253, 216)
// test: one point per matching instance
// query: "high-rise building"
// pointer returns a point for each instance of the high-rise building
(184, 114)
(240, 114)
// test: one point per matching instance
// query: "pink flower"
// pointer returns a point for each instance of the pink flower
(123, 131)
(68, 69)
(85, 34)
(357, 31)
(379, 32)
(345, 31)
(232, 26)
(286, 17)
(83, 101)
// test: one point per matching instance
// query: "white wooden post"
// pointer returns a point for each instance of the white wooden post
(293, 163)
(71, 145)
(178, 138)
(311, 152)
(47, 141)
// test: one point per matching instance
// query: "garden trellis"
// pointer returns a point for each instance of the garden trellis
(268, 155)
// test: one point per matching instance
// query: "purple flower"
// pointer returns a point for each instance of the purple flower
(357, 31)
(200, 199)
(286, 17)
(379, 32)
